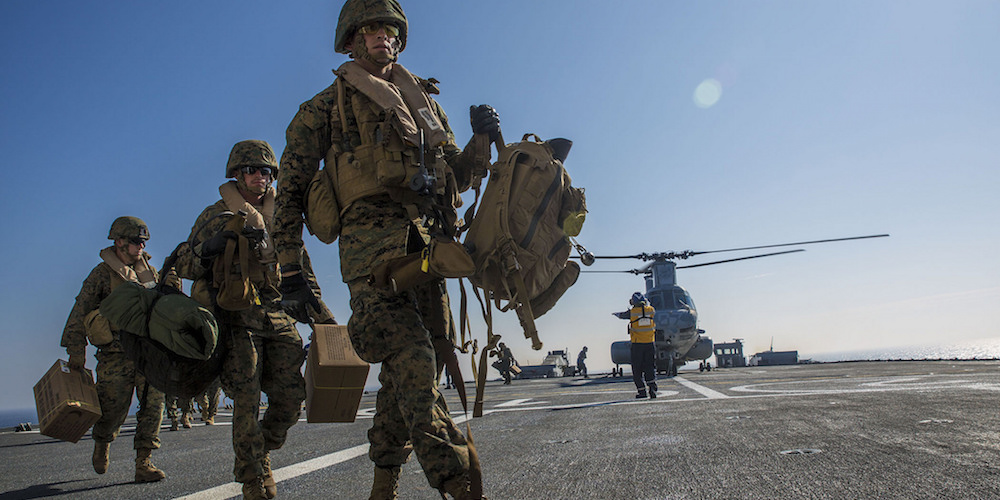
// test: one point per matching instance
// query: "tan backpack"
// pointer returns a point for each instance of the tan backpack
(521, 236)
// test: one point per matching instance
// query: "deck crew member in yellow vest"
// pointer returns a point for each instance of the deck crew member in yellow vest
(117, 377)
(642, 330)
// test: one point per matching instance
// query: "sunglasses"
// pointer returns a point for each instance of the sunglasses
(391, 30)
(137, 240)
(265, 171)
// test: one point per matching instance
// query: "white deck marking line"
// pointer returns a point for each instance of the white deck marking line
(520, 402)
(700, 389)
(229, 490)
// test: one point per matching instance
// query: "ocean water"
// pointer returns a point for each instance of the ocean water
(977, 349)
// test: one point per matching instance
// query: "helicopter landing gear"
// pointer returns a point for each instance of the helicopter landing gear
(671, 367)
(704, 366)
(617, 371)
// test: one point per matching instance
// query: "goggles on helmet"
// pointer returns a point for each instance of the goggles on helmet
(391, 30)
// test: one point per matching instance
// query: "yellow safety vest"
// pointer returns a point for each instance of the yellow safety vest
(641, 325)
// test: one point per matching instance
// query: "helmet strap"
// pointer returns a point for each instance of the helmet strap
(359, 51)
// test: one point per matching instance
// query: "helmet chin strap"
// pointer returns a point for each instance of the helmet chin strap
(241, 183)
(122, 251)
(360, 51)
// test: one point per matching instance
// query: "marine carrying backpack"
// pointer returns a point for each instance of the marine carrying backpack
(521, 236)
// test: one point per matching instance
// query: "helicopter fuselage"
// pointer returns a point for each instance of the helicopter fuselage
(678, 338)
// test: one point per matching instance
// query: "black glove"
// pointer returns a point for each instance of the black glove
(216, 244)
(485, 120)
(296, 295)
(254, 235)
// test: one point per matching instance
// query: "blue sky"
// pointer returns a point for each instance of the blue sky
(832, 119)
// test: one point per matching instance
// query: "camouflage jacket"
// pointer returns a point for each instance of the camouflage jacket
(267, 319)
(96, 288)
(373, 229)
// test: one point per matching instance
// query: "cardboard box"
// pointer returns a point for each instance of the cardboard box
(66, 402)
(335, 376)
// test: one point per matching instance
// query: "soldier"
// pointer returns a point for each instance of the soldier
(183, 406)
(369, 127)
(208, 402)
(264, 348)
(504, 362)
(117, 377)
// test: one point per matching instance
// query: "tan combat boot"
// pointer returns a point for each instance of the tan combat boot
(254, 489)
(145, 471)
(101, 459)
(207, 418)
(270, 486)
(384, 487)
(186, 420)
(174, 424)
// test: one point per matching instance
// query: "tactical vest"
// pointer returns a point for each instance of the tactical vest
(99, 330)
(388, 157)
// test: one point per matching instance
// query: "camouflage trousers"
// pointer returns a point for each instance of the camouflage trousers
(410, 414)
(255, 364)
(208, 401)
(178, 406)
(117, 379)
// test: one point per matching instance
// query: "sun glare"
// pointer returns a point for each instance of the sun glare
(707, 93)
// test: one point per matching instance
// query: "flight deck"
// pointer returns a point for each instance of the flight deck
(902, 429)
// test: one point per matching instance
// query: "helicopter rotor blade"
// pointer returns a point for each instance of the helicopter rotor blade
(740, 258)
(630, 271)
(792, 244)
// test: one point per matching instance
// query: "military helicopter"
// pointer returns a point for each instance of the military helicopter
(678, 339)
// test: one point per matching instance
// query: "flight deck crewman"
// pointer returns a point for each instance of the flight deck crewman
(368, 127)
(642, 328)
(117, 377)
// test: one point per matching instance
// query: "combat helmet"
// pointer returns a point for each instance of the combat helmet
(128, 227)
(251, 153)
(637, 298)
(357, 13)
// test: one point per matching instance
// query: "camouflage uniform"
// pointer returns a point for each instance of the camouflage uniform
(400, 331)
(179, 407)
(264, 354)
(208, 401)
(117, 377)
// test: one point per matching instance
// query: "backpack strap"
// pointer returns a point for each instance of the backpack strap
(491, 343)
(475, 469)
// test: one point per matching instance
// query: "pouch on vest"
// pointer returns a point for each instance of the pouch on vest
(442, 258)
(201, 292)
(322, 211)
(236, 290)
(98, 329)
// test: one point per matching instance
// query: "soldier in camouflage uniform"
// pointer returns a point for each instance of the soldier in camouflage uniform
(179, 412)
(208, 402)
(368, 127)
(264, 348)
(117, 377)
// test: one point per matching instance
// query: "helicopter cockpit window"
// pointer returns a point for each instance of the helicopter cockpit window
(656, 300)
(682, 300)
